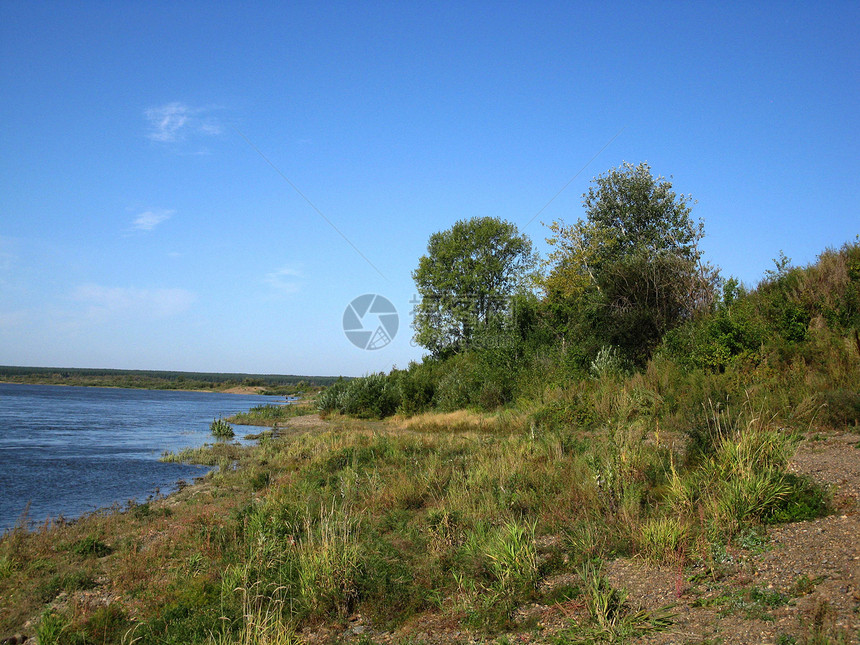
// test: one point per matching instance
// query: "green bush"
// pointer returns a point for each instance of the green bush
(329, 399)
(805, 500)
(417, 386)
(374, 396)
(221, 429)
(842, 407)
(458, 384)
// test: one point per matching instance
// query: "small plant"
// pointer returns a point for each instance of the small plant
(513, 558)
(608, 362)
(6, 567)
(752, 602)
(819, 627)
(805, 500)
(803, 585)
(68, 582)
(612, 620)
(91, 546)
(51, 628)
(662, 539)
(270, 414)
(329, 563)
(221, 429)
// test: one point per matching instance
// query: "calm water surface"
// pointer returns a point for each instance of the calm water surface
(70, 450)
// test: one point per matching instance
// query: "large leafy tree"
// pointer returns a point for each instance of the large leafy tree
(632, 269)
(466, 281)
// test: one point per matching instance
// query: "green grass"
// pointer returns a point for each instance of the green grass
(90, 546)
(270, 414)
(401, 519)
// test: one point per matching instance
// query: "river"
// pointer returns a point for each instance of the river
(71, 450)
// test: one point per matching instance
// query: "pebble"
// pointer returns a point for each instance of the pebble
(17, 639)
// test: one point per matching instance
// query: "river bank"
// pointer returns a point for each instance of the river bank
(372, 517)
(274, 384)
(240, 389)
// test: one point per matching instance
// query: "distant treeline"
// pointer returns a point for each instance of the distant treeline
(162, 380)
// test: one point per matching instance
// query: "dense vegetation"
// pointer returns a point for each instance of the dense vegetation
(633, 404)
(787, 348)
(625, 291)
(162, 380)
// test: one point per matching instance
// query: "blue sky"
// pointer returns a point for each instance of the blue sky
(142, 224)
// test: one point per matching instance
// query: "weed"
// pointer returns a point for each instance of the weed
(266, 619)
(270, 414)
(147, 510)
(90, 546)
(221, 429)
(513, 557)
(662, 539)
(803, 585)
(52, 626)
(805, 500)
(68, 582)
(753, 602)
(608, 363)
(6, 567)
(818, 628)
(329, 563)
(611, 619)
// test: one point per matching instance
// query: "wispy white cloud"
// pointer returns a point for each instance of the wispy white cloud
(148, 220)
(285, 280)
(110, 302)
(166, 122)
(210, 127)
(177, 121)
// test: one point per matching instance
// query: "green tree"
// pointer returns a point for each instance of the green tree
(466, 280)
(632, 270)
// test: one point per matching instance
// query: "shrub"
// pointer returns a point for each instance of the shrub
(221, 429)
(329, 399)
(607, 363)
(417, 386)
(374, 396)
(842, 408)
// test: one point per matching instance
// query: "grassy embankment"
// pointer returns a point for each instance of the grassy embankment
(465, 518)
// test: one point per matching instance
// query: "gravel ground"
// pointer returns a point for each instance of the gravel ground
(814, 566)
